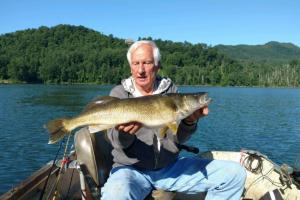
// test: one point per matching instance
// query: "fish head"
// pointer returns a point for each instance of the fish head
(188, 103)
(196, 101)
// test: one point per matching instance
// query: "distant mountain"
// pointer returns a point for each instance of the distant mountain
(269, 52)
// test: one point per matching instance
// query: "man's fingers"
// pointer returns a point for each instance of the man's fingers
(131, 127)
(128, 128)
(120, 127)
(198, 114)
(202, 111)
(135, 128)
(205, 111)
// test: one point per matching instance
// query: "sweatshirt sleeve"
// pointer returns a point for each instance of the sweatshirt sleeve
(185, 131)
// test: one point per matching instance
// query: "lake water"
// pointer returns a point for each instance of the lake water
(263, 119)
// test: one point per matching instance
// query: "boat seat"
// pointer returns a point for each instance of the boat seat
(94, 151)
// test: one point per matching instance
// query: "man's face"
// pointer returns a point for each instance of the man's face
(143, 68)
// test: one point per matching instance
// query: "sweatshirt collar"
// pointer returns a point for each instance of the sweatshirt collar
(161, 85)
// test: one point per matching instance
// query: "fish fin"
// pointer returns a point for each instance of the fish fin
(57, 130)
(97, 128)
(173, 126)
(163, 131)
(98, 101)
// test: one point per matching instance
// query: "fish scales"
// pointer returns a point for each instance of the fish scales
(125, 111)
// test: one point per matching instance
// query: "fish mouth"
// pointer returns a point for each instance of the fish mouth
(205, 100)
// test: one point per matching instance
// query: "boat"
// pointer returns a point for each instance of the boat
(82, 173)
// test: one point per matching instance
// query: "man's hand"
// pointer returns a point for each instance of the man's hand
(131, 127)
(193, 118)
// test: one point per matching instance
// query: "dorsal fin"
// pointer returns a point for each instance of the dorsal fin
(97, 101)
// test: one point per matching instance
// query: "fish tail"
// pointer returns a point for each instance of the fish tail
(56, 129)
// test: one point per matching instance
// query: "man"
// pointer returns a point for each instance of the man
(144, 161)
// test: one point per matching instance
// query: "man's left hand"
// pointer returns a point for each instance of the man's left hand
(193, 118)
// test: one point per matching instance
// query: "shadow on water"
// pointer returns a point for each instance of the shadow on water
(67, 98)
(59, 99)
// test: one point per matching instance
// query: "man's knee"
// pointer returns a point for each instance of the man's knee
(237, 173)
(120, 190)
(126, 184)
(115, 189)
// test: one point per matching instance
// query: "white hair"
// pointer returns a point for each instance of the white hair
(135, 45)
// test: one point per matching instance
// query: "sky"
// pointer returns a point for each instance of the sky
(212, 22)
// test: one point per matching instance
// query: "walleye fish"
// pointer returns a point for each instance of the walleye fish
(154, 111)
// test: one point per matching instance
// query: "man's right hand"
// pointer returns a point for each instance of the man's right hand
(131, 127)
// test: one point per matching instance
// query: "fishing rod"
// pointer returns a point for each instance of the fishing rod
(63, 163)
(51, 169)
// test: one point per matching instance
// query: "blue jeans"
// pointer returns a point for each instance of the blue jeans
(221, 179)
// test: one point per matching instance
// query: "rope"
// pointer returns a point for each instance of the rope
(258, 169)
(248, 162)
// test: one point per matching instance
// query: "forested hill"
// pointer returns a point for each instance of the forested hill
(75, 54)
(273, 52)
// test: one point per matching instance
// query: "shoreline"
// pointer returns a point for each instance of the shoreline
(5, 81)
(10, 82)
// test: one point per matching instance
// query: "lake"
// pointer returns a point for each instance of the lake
(263, 119)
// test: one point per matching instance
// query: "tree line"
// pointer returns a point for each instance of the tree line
(75, 54)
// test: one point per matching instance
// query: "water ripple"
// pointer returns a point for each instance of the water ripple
(261, 119)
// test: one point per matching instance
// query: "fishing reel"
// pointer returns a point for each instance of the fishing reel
(285, 175)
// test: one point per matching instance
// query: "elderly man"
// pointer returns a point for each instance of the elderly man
(144, 161)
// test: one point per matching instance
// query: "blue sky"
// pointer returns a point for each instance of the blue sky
(212, 22)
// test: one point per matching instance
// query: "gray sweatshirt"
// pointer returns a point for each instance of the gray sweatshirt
(145, 150)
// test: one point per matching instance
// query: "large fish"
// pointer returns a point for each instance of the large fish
(155, 111)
